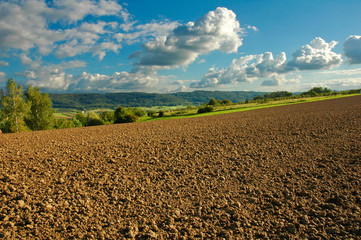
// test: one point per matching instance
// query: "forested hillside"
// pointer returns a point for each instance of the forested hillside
(139, 99)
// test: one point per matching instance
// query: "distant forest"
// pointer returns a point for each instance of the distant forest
(84, 101)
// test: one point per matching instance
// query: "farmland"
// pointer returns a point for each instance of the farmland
(284, 172)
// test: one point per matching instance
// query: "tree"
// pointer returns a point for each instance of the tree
(41, 116)
(82, 118)
(107, 117)
(212, 102)
(14, 107)
(93, 119)
(61, 123)
(205, 109)
(124, 115)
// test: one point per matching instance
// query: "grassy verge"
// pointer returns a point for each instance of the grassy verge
(242, 107)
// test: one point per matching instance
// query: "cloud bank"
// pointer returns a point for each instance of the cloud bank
(27, 25)
(317, 54)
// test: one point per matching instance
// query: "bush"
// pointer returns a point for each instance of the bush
(82, 118)
(107, 117)
(151, 113)
(226, 102)
(93, 119)
(161, 114)
(61, 123)
(76, 122)
(205, 109)
(212, 102)
(140, 112)
(124, 115)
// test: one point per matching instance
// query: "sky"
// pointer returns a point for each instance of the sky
(96, 46)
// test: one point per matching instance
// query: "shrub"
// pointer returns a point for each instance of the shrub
(151, 113)
(140, 112)
(82, 118)
(212, 102)
(61, 123)
(76, 122)
(205, 109)
(161, 114)
(93, 119)
(226, 102)
(107, 117)
(124, 115)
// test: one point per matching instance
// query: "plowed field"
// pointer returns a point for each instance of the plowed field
(291, 172)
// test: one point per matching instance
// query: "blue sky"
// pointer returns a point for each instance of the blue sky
(168, 46)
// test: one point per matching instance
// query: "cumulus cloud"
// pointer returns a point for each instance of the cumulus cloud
(352, 49)
(317, 54)
(217, 30)
(246, 69)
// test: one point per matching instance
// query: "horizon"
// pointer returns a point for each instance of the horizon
(112, 46)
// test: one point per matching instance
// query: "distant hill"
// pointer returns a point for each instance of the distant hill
(140, 99)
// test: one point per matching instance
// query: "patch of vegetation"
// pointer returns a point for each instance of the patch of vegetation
(205, 109)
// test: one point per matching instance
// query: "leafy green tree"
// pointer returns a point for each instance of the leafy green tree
(61, 123)
(205, 109)
(226, 102)
(41, 115)
(107, 117)
(76, 122)
(14, 107)
(151, 113)
(124, 115)
(161, 113)
(212, 102)
(82, 118)
(140, 112)
(93, 119)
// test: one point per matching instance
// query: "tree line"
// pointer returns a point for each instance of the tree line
(31, 110)
(313, 92)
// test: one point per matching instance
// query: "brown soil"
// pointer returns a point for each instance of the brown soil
(291, 172)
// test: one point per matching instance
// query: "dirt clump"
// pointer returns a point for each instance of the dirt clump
(291, 172)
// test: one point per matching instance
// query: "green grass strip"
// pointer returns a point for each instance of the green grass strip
(248, 107)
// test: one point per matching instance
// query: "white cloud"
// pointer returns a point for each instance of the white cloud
(73, 11)
(347, 72)
(140, 78)
(24, 25)
(2, 76)
(52, 76)
(316, 55)
(3, 63)
(246, 69)
(144, 31)
(352, 49)
(217, 30)
(344, 83)
(254, 28)
(25, 60)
